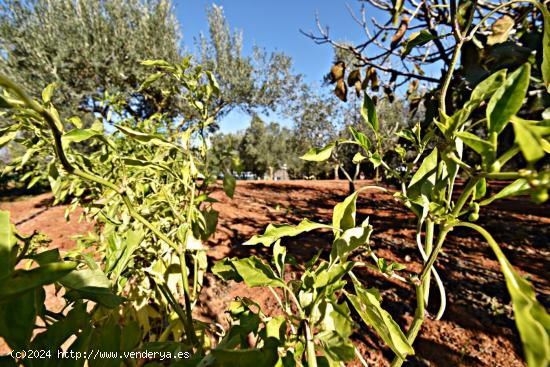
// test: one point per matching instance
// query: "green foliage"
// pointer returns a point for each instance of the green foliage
(90, 49)
(147, 188)
(264, 147)
(22, 292)
(262, 82)
(532, 320)
(318, 154)
(316, 315)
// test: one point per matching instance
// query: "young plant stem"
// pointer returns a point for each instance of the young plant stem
(428, 248)
(190, 330)
(506, 267)
(420, 304)
(310, 346)
(416, 323)
(449, 76)
(466, 193)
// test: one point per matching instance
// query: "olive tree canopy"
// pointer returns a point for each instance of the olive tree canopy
(91, 49)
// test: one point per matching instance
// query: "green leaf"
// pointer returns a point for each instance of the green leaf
(367, 304)
(508, 99)
(331, 275)
(518, 187)
(318, 154)
(21, 281)
(279, 256)
(213, 82)
(7, 242)
(57, 333)
(349, 241)
(361, 138)
(124, 255)
(159, 63)
(274, 232)
(145, 138)
(336, 347)
(93, 285)
(358, 158)
(106, 338)
(76, 121)
(47, 257)
(545, 66)
(532, 320)
(343, 216)
(265, 356)
(276, 328)
(7, 137)
(426, 169)
(480, 146)
(225, 270)
(47, 93)
(417, 39)
(17, 319)
(368, 111)
(150, 80)
(229, 183)
(337, 318)
(529, 141)
(256, 273)
(488, 86)
(78, 135)
(375, 160)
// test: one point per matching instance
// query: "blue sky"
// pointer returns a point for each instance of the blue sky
(275, 25)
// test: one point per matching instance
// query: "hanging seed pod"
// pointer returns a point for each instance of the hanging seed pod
(398, 36)
(413, 86)
(389, 93)
(354, 79)
(358, 88)
(374, 83)
(368, 72)
(337, 71)
(341, 90)
(393, 78)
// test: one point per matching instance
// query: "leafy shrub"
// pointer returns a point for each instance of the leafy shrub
(147, 187)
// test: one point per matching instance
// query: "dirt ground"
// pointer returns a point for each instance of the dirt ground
(477, 328)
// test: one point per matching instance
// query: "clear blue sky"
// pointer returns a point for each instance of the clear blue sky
(275, 25)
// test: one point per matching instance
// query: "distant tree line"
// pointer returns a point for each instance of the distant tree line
(264, 148)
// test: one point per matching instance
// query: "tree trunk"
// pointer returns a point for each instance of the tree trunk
(336, 172)
(271, 172)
